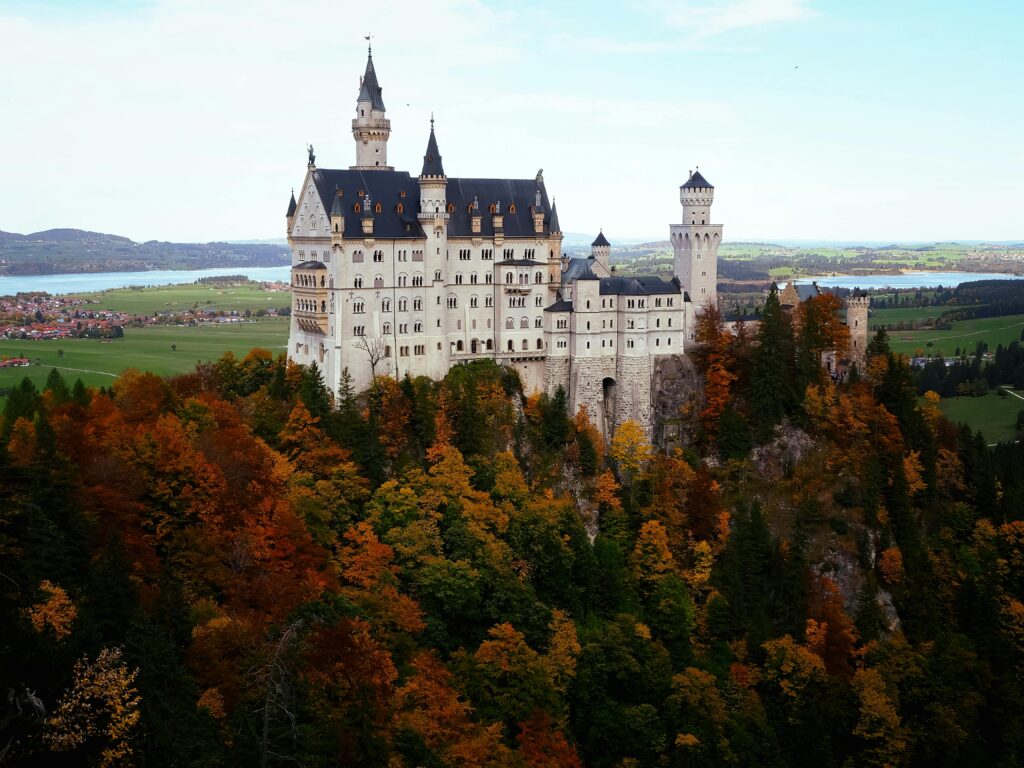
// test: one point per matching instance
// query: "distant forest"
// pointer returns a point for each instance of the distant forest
(57, 251)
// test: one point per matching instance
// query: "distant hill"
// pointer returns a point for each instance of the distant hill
(57, 251)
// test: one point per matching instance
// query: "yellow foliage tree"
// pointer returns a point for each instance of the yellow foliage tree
(103, 704)
(630, 448)
(55, 612)
(878, 726)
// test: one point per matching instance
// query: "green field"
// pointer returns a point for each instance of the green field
(964, 334)
(993, 414)
(904, 314)
(98, 362)
(177, 298)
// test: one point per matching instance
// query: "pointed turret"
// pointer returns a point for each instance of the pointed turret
(369, 89)
(371, 128)
(600, 240)
(553, 225)
(336, 209)
(291, 206)
(432, 159)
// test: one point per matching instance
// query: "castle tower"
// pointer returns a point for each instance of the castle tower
(371, 128)
(433, 217)
(695, 243)
(857, 321)
(600, 251)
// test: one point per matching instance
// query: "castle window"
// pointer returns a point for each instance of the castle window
(402, 193)
(357, 257)
(494, 209)
(387, 329)
(403, 304)
(669, 301)
(538, 277)
(357, 208)
(510, 323)
(378, 282)
(508, 278)
(458, 346)
(487, 278)
(358, 307)
(473, 302)
(511, 347)
(512, 208)
(417, 303)
(525, 345)
(490, 345)
(453, 302)
(488, 301)
(417, 280)
(472, 279)
(657, 323)
(385, 305)
(657, 302)
(538, 323)
(358, 282)
(451, 207)
(387, 351)
(458, 279)
(400, 208)
(524, 322)
(417, 327)
(377, 208)
(437, 274)
(359, 330)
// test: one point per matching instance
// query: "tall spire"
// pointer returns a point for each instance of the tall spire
(432, 159)
(291, 205)
(369, 89)
(553, 225)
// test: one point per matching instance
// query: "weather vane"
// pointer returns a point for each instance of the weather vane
(369, 44)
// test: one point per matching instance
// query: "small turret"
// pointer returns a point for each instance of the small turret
(696, 195)
(553, 226)
(538, 213)
(600, 250)
(337, 217)
(475, 219)
(291, 211)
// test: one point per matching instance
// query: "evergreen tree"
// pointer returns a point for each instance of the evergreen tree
(772, 380)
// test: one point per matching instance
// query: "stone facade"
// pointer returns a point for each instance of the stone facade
(395, 274)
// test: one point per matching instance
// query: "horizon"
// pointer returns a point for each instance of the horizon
(853, 115)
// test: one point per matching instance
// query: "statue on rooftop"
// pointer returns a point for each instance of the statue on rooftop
(312, 154)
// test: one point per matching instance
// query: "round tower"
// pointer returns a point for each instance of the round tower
(695, 244)
(370, 128)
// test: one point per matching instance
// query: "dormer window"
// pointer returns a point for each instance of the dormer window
(360, 193)
(402, 193)
(400, 208)
(377, 208)
(451, 207)
(357, 208)
(512, 208)
(493, 208)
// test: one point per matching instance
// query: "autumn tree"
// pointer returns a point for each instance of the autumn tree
(716, 362)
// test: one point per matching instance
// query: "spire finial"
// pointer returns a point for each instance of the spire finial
(431, 122)
(369, 45)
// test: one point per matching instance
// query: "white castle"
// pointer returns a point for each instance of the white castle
(398, 274)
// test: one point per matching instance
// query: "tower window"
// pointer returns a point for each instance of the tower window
(357, 208)
(512, 208)
(377, 208)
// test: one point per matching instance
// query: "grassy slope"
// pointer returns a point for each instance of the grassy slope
(98, 363)
(180, 297)
(995, 416)
(964, 334)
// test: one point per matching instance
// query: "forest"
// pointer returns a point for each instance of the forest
(230, 567)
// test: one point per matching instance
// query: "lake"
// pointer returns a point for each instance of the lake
(102, 281)
(906, 280)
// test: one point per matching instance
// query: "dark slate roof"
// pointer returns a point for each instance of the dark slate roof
(600, 240)
(807, 291)
(553, 223)
(291, 205)
(384, 187)
(432, 159)
(522, 192)
(310, 265)
(579, 269)
(697, 181)
(369, 90)
(560, 306)
(641, 285)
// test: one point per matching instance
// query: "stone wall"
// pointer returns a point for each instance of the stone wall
(633, 400)
(677, 398)
(556, 373)
(587, 388)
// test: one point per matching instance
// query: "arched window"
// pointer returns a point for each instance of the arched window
(540, 343)
(385, 305)
(387, 329)
(357, 208)
(358, 282)
(512, 208)
(378, 282)
(417, 327)
(490, 345)
(511, 346)
(458, 346)
(451, 207)
(417, 303)
(458, 278)
(493, 209)
(377, 208)
(437, 274)
(538, 323)
(510, 323)
(508, 278)
(524, 322)
(400, 208)
(539, 277)
(473, 302)
(525, 345)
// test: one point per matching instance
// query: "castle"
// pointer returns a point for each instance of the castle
(398, 274)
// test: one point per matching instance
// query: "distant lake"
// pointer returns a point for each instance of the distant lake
(906, 280)
(102, 281)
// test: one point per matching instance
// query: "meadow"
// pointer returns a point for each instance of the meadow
(162, 349)
(993, 414)
(964, 334)
(178, 298)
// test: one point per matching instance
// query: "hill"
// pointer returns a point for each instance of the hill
(56, 251)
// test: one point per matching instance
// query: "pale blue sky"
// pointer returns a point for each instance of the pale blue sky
(188, 119)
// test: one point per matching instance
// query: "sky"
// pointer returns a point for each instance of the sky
(187, 120)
